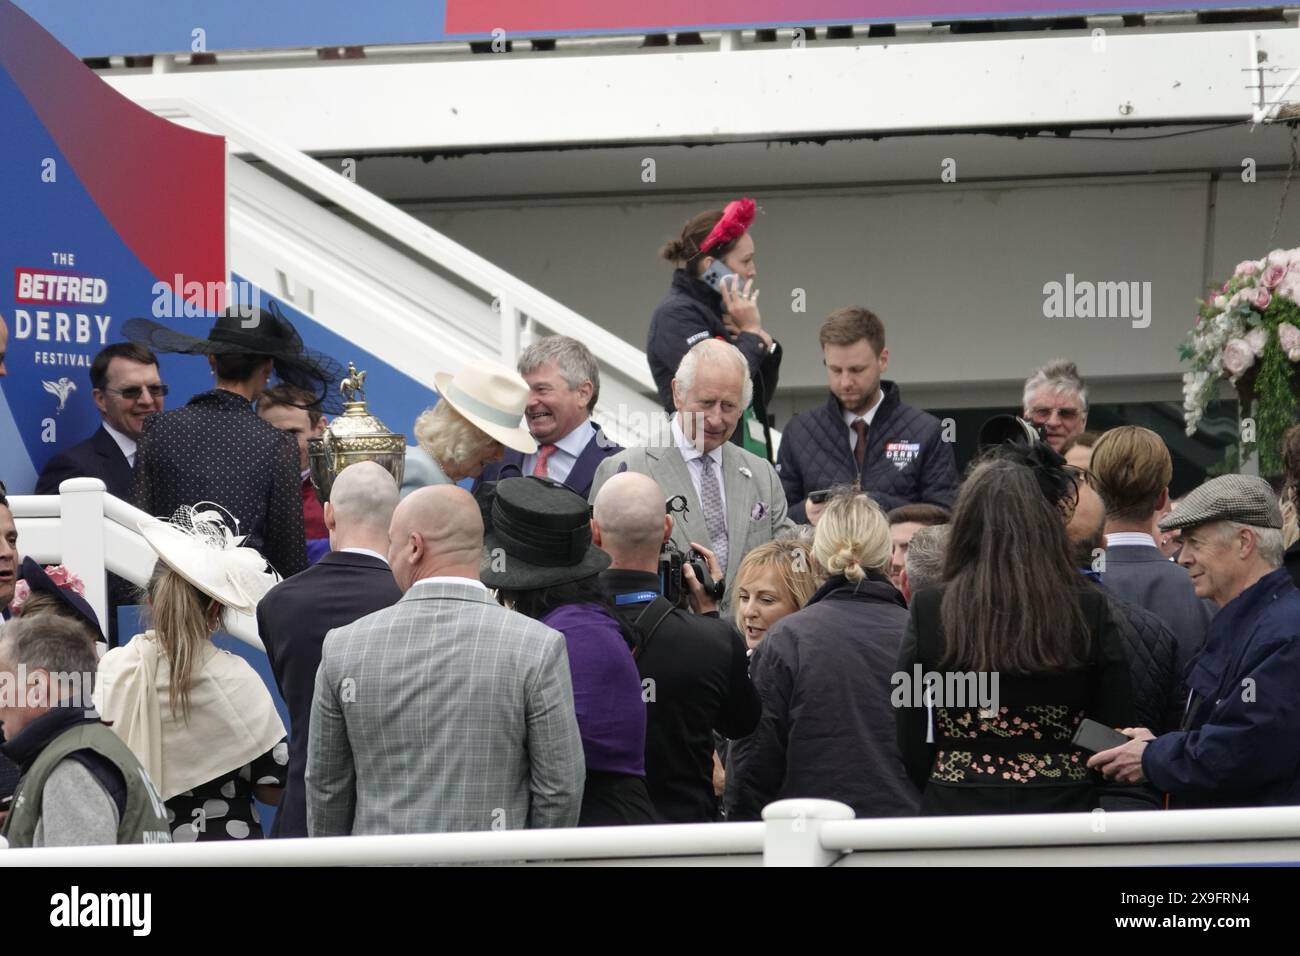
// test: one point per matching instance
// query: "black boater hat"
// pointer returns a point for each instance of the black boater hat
(540, 537)
(263, 332)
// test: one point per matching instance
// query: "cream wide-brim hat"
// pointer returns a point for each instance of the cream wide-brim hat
(493, 398)
(236, 577)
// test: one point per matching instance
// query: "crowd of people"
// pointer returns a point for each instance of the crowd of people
(539, 628)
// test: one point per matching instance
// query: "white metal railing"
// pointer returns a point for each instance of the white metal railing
(793, 833)
(93, 533)
(629, 412)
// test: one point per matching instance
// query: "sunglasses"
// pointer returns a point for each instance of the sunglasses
(135, 391)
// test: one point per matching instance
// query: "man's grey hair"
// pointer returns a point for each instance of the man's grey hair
(924, 559)
(714, 350)
(1268, 541)
(50, 643)
(571, 357)
(1058, 375)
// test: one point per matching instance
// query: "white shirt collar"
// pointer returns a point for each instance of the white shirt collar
(440, 579)
(576, 440)
(687, 447)
(124, 442)
(869, 415)
(1119, 539)
(366, 551)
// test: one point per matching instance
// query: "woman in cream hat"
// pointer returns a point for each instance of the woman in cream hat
(198, 718)
(480, 413)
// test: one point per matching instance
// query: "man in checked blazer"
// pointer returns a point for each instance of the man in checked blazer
(734, 498)
(445, 712)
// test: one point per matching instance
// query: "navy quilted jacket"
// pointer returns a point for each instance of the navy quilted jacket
(690, 313)
(906, 462)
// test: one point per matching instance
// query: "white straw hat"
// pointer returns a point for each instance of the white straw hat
(493, 398)
(197, 544)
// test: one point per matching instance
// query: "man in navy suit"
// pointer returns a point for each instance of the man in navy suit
(1132, 469)
(564, 384)
(127, 388)
(353, 580)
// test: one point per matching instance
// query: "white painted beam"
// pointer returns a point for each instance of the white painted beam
(956, 83)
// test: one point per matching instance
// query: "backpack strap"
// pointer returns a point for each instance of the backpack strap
(648, 621)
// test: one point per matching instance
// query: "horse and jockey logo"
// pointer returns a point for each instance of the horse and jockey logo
(61, 390)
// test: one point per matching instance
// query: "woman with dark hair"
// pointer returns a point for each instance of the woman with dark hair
(540, 558)
(699, 306)
(1020, 630)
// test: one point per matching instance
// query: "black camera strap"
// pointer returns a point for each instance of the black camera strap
(658, 611)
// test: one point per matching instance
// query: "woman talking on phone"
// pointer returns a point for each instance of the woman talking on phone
(713, 295)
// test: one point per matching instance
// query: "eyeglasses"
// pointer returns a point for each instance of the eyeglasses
(135, 391)
(1041, 415)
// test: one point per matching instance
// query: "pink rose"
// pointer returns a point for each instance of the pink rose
(1257, 339)
(1237, 357)
(1247, 268)
(1272, 276)
(1289, 337)
(1259, 298)
(1278, 257)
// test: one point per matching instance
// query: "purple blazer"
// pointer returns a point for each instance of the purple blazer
(606, 689)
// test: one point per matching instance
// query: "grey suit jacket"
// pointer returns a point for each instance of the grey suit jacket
(1143, 576)
(756, 506)
(444, 712)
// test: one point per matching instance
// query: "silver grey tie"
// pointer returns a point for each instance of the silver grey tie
(715, 517)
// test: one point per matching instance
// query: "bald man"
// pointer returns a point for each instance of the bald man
(348, 583)
(445, 712)
(694, 667)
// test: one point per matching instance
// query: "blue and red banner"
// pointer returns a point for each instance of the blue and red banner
(125, 27)
(111, 213)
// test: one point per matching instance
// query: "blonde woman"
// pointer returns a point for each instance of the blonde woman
(774, 580)
(824, 673)
(198, 718)
(480, 413)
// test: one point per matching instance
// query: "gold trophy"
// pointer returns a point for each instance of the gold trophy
(354, 436)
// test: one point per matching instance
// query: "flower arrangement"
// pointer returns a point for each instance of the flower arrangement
(1249, 333)
(59, 574)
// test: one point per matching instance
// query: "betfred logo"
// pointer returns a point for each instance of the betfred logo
(56, 288)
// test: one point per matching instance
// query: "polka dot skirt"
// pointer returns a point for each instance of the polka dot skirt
(223, 809)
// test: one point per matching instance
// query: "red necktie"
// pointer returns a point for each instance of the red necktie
(544, 452)
(860, 449)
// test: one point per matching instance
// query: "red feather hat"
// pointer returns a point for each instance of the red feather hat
(736, 218)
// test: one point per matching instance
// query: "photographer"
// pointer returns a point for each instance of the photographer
(694, 670)
(713, 296)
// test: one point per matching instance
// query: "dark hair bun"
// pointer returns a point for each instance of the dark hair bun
(673, 250)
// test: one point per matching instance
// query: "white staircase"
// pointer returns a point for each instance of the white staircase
(419, 301)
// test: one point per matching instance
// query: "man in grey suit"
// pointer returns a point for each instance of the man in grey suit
(734, 499)
(1131, 467)
(444, 712)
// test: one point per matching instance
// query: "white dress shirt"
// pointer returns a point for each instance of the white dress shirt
(691, 455)
(566, 453)
(441, 579)
(124, 442)
(868, 416)
(1118, 539)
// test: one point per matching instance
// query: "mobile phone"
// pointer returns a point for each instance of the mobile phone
(820, 497)
(714, 275)
(1094, 737)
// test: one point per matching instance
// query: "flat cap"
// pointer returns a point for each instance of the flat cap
(1243, 498)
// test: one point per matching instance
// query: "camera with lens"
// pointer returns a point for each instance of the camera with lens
(671, 559)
